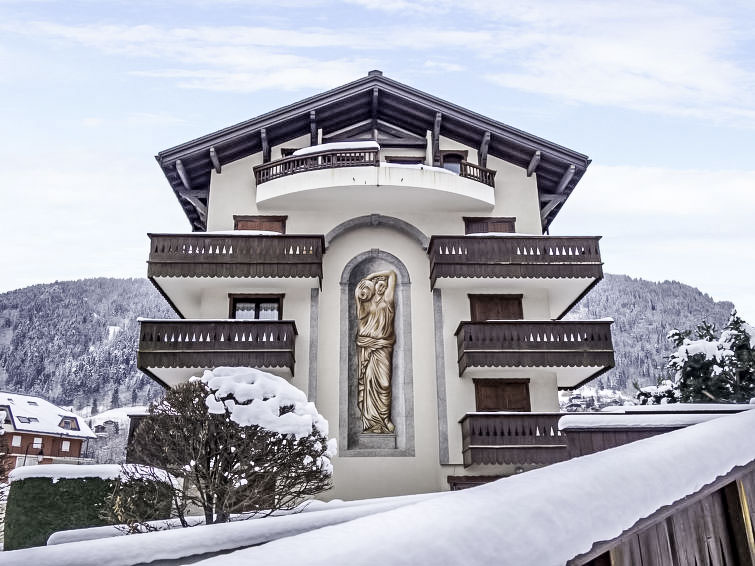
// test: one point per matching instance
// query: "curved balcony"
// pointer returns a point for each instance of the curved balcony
(173, 350)
(575, 351)
(316, 180)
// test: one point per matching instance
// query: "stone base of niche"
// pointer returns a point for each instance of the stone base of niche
(380, 441)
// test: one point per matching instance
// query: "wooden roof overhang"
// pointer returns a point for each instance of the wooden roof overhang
(372, 99)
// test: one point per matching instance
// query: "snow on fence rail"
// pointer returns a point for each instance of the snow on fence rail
(574, 512)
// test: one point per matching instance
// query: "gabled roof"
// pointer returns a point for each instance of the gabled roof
(392, 108)
(36, 415)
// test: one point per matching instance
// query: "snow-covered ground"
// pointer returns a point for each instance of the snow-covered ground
(541, 517)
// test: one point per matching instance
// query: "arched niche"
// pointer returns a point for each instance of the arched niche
(378, 220)
(352, 442)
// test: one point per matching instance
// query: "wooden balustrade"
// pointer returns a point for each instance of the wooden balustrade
(514, 256)
(476, 173)
(315, 161)
(525, 343)
(221, 255)
(512, 438)
(213, 343)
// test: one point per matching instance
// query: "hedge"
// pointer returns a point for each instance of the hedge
(40, 506)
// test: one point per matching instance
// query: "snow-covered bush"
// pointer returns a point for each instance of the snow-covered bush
(660, 394)
(710, 369)
(244, 440)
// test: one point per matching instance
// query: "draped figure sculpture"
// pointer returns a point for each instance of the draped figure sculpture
(375, 338)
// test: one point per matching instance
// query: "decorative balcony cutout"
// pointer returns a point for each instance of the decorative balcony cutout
(214, 343)
(225, 255)
(534, 344)
(514, 256)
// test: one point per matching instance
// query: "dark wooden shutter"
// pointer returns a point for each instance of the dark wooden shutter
(267, 223)
(495, 307)
(502, 394)
(483, 224)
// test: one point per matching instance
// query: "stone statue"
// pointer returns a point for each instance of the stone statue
(375, 338)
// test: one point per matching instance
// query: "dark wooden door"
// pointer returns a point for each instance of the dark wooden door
(495, 307)
(502, 394)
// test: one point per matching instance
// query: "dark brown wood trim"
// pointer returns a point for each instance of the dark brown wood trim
(235, 296)
(488, 219)
(463, 153)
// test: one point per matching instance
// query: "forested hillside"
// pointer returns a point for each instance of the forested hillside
(74, 342)
(644, 312)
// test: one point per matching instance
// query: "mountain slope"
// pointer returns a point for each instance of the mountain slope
(644, 312)
(74, 342)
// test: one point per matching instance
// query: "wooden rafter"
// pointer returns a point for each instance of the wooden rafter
(482, 154)
(312, 128)
(436, 139)
(534, 162)
(183, 174)
(215, 160)
(265, 146)
(568, 174)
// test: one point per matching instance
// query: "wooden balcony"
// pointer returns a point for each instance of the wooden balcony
(335, 159)
(230, 255)
(331, 159)
(528, 343)
(512, 438)
(514, 256)
(214, 343)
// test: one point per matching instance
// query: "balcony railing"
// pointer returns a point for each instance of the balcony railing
(476, 173)
(514, 256)
(331, 159)
(512, 438)
(526, 343)
(213, 343)
(221, 255)
(334, 159)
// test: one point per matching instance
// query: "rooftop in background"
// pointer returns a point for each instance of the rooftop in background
(37, 415)
(398, 112)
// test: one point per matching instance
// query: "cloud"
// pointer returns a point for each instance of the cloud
(693, 226)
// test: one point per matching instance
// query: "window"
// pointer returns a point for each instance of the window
(37, 442)
(16, 440)
(261, 223)
(484, 224)
(495, 307)
(65, 446)
(256, 307)
(451, 160)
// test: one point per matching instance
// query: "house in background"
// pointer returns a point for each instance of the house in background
(38, 432)
(389, 253)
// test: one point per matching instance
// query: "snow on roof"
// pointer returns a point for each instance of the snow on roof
(688, 408)
(34, 414)
(622, 420)
(72, 471)
(335, 146)
(119, 415)
(539, 517)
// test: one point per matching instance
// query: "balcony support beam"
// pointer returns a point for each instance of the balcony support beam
(436, 139)
(312, 128)
(265, 146)
(568, 174)
(482, 155)
(196, 203)
(552, 202)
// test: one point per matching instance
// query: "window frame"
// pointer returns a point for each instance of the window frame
(65, 446)
(239, 218)
(34, 443)
(472, 224)
(258, 298)
(16, 440)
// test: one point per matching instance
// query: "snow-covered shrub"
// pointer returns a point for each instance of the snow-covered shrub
(660, 394)
(244, 440)
(710, 369)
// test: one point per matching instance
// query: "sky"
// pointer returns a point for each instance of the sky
(660, 95)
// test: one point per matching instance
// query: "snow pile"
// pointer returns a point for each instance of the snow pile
(57, 472)
(623, 420)
(539, 517)
(183, 543)
(710, 350)
(253, 397)
(336, 146)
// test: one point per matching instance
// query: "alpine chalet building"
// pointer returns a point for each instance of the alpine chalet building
(387, 252)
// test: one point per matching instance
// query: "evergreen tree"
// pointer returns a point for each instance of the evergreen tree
(709, 369)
